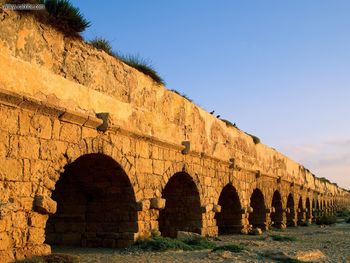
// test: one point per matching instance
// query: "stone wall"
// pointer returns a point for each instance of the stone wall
(63, 169)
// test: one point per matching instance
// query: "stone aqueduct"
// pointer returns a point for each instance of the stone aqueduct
(93, 153)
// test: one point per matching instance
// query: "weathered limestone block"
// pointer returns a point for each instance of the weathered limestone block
(52, 150)
(37, 220)
(74, 117)
(158, 167)
(7, 207)
(143, 205)
(70, 132)
(19, 219)
(158, 203)
(207, 208)
(4, 143)
(45, 205)
(89, 133)
(5, 241)
(41, 126)
(36, 236)
(6, 256)
(33, 250)
(10, 170)
(5, 223)
(8, 120)
(217, 208)
(144, 165)
(19, 237)
(28, 147)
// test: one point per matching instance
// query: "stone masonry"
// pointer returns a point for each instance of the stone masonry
(92, 155)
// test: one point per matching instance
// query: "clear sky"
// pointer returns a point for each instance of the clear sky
(279, 69)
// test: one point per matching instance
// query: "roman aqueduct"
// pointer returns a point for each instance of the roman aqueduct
(95, 154)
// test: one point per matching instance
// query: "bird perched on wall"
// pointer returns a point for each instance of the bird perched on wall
(212, 112)
(218, 116)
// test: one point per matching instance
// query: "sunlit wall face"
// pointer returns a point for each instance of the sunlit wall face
(278, 69)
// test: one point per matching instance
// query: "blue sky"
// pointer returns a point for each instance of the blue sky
(279, 69)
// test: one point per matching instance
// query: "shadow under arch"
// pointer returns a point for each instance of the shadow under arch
(182, 210)
(308, 210)
(277, 215)
(301, 220)
(96, 205)
(290, 211)
(229, 220)
(258, 217)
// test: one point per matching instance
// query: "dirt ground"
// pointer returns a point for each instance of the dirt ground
(332, 241)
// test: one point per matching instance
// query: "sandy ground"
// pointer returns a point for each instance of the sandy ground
(332, 241)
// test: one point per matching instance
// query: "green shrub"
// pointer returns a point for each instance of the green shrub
(200, 243)
(65, 16)
(343, 213)
(283, 238)
(231, 248)
(181, 94)
(143, 66)
(158, 243)
(326, 220)
(53, 258)
(102, 44)
(60, 14)
(256, 140)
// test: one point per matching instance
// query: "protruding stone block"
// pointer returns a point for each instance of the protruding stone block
(158, 203)
(232, 163)
(217, 208)
(250, 209)
(187, 145)
(104, 116)
(74, 117)
(44, 205)
(207, 208)
(143, 205)
(258, 174)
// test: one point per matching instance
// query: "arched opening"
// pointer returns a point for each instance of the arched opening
(323, 207)
(230, 217)
(182, 210)
(301, 219)
(258, 217)
(291, 211)
(308, 210)
(96, 205)
(277, 215)
(314, 212)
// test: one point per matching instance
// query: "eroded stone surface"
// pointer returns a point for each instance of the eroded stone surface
(53, 88)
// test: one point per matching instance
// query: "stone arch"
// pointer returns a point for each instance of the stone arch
(290, 210)
(105, 147)
(258, 217)
(96, 205)
(300, 212)
(182, 210)
(181, 167)
(277, 214)
(229, 220)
